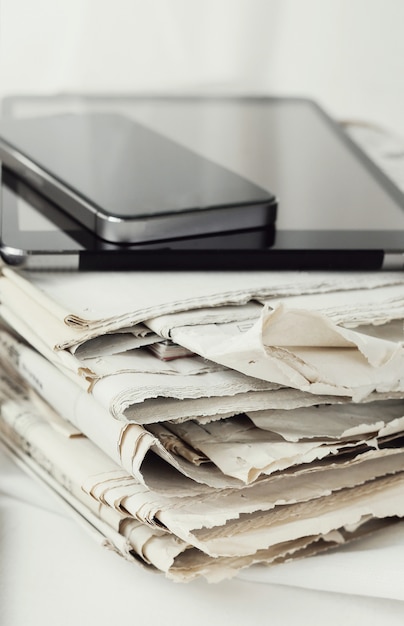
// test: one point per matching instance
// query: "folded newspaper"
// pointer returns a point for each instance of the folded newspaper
(208, 422)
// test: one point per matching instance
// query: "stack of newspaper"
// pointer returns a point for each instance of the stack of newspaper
(203, 422)
(199, 423)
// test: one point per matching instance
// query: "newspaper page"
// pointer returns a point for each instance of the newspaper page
(302, 349)
(242, 448)
(298, 348)
(80, 311)
(76, 464)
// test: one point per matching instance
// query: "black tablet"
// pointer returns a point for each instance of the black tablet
(337, 209)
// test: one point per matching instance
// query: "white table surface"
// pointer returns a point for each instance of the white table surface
(52, 572)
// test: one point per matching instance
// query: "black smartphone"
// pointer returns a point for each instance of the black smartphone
(127, 182)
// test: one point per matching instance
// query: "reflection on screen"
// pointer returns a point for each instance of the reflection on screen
(30, 220)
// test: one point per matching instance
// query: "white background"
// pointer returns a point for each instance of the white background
(348, 54)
